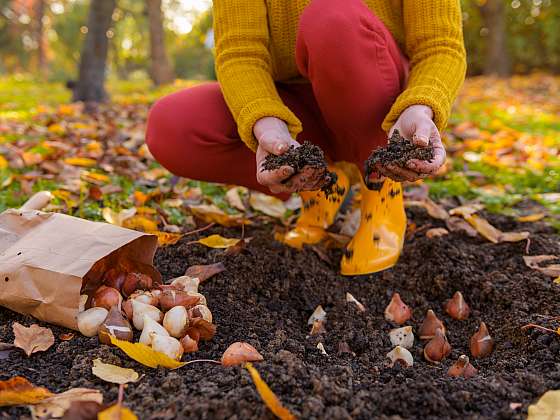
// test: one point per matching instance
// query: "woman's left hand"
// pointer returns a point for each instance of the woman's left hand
(416, 123)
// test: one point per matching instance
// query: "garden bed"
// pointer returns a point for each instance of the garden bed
(265, 298)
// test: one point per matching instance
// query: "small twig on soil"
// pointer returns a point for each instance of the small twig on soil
(243, 231)
(528, 246)
(203, 360)
(538, 327)
(202, 229)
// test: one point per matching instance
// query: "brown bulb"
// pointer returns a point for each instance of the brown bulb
(438, 348)
(397, 311)
(430, 325)
(481, 344)
(189, 345)
(200, 329)
(106, 297)
(114, 278)
(127, 308)
(457, 308)
(115, 325)
(136, 281)
(462, 367)
(172, 298)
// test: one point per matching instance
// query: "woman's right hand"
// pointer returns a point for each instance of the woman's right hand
(274, 138)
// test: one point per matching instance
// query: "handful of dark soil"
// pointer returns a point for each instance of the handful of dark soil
(307, 155)
(397, 152)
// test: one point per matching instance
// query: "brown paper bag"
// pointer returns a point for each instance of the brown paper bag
(47, 259)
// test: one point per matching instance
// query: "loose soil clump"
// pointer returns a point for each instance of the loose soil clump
(299, 158)
(397, 152)
(265, 297)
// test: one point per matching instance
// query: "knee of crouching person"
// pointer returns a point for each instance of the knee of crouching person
(159, 128)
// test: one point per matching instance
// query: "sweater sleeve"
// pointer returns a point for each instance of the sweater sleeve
(243, 66)
(434, 44)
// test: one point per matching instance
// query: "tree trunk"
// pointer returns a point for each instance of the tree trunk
(40, 39)
(160, 70)
(497, 57)
(90, 85)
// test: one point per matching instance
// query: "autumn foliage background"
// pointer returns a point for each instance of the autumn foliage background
(503, 137)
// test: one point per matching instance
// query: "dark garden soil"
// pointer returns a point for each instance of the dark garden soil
(269, 291)
(397, 152)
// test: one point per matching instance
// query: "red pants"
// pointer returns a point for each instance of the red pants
(355, 69)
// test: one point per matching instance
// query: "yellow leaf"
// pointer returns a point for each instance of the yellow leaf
(217, 241)
(213, 214)
(56, 129)
(493, 234)
(95, 178)
(3, 162)
(112, 373)
(269, 398)
(116, 412)
(140, 223)
(547, 408)
(466, 210)
(146, 355)
(531, 217)
(78, 161)
(166, 238)
(557, 281)
(267, 204)
(56, 405)
(19, 391)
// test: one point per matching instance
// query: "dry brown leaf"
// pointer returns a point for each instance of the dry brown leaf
(534, 262)
(458, 224)
(56, 405)
(32, 339)
(493, 234)
(267, 204)
(433, 209)
(436, 232)
(204, 272)
(547, 408)
(269, 398)
(112, 373)
(466, 210)
(213, 214)
(233, 197)
(239, 353)
(19, 391)
(82, 410)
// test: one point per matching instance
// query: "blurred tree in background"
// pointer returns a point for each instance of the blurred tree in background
(45, 37)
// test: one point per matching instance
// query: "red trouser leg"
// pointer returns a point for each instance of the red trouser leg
(356, 70)
(193, 134)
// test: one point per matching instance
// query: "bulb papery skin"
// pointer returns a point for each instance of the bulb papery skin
(90, 320)
(438, 348)
(397, 311)
(176, 321)
(429, 326)
(457, 308)
(481, 343)
(115, 325)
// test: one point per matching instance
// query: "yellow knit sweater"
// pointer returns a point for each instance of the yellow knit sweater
(255, 46)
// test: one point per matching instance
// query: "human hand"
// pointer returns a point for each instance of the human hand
(274, 138)
(416, 123)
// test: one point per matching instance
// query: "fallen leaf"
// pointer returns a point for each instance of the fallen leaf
(492, 233)
(82, 410)
(233, 197)
(32, 339)
(117, 412)
(140, 223)
(78, 161)
(117, 218)
(269, 398)
(56, 405)
(217, 241)
(458, 224)
(204, 272)
(267, 204)
(433, 209)
(213, 214)
(547, 408)
(3, 162)
(112, 373)
(19, 391)
(66, 336)
(534, 262)
(535, 217)
(466, 210)
(146, 355)
(239, 353)
(436, 232)
(166, 238)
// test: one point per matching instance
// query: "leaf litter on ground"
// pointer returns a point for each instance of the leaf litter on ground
(32, 339)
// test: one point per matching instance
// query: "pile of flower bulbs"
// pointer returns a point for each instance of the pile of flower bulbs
(433, 332)
(173, 318)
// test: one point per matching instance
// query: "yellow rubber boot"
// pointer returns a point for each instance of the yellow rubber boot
(378, 242)
(317, 213)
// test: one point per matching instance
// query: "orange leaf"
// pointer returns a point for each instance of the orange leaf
(269, 398)
(19, 391)
(166, 238)
(78, 161)
(32, 339)
(535, 217)
(117, 412)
